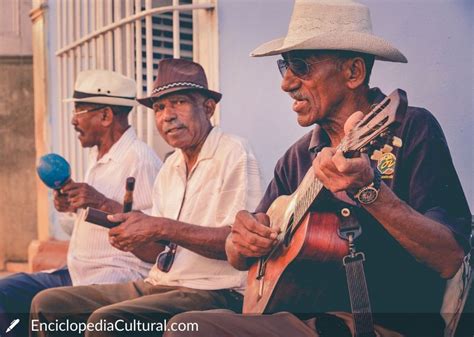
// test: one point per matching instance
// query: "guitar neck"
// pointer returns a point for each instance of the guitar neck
(308, 190)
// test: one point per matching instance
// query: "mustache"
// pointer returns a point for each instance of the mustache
(296, 95)
(173, 126)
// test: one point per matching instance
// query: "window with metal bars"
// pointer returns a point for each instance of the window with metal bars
(162, 32)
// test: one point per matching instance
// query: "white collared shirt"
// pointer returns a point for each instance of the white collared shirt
(225, 179)
(91, 258)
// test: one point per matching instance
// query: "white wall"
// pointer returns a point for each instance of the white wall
(436, 36)
(15, 28)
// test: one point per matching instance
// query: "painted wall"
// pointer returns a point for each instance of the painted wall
(17, 158)
(435, 35)
(17, 142)
(15, 28)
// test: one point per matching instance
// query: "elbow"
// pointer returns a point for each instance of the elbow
(455, 262)
(238, 263)
(241, 267)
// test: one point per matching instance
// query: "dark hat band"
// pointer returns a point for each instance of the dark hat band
(177, 84)
(80, 94)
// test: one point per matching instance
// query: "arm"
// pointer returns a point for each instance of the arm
(82, 195)
(205, 241)
(148, 252)
(139, 230)
(428, 238)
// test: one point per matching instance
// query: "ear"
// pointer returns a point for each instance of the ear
(107, 117)
(355, 72)
(210, 107)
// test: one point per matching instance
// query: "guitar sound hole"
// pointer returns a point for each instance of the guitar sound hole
(289, 231)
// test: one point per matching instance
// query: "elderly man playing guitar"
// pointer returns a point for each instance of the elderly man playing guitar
(406, 203)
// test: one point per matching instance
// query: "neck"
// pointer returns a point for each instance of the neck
(109, 139)
(334, 125)
(191, 154)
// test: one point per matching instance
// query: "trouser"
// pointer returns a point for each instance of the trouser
(224, 323)
(107, 306)
(16, 293)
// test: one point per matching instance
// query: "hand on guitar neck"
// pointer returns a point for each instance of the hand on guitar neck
(338, 173)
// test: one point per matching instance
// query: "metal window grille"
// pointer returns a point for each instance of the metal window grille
(127, 36)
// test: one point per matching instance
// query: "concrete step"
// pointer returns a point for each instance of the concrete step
(49, 254)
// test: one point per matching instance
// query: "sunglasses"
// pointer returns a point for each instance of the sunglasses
(299, 67)
(165, 259)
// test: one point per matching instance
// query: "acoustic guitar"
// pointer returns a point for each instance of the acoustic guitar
(287, 279)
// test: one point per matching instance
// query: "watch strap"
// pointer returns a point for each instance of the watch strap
(376, 182)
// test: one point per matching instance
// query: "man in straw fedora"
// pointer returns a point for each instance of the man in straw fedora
(102, 103)
(415, 219)
(199, 189)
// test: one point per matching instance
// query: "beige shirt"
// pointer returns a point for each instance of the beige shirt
(225, 179)
(91, 258)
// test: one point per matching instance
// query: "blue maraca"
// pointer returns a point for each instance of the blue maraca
(53, 170)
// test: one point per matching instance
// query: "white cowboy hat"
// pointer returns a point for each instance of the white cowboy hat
(104, 87)
(331, 25)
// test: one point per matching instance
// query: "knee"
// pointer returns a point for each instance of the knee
(185, 319)
(3, 300)
(47, 301)
(103, 314)
(8, 288)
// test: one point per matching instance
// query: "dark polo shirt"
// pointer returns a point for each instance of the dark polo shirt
(405, 294)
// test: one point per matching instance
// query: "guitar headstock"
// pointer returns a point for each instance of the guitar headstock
(373, 134)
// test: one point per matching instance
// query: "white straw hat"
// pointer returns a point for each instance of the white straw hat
(331, 25)
(104, 87)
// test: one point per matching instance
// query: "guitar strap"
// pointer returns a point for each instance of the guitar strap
(349, 230)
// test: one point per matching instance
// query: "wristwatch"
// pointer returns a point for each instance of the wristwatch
(368, 194)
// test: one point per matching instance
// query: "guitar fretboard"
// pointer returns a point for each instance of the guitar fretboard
(309, 189)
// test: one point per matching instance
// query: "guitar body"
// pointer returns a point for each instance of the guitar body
(291, 275)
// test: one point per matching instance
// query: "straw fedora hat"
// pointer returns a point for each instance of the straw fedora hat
(331, 25)
(104, 87)
(178, 75)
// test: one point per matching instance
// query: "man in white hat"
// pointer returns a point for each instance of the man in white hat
(408, 201)
(102, 102)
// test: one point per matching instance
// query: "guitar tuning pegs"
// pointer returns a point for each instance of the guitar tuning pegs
(397, 142)
(376, 155)
(387, 148)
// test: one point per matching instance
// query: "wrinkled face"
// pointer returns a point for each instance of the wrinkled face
(182, 119)
(87, 123)
(317, 94)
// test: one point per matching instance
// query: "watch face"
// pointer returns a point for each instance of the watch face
(368, 195)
